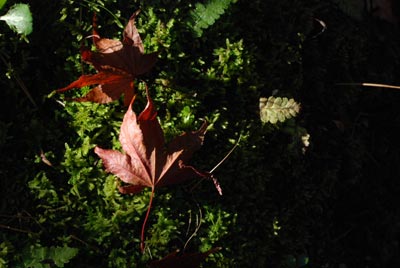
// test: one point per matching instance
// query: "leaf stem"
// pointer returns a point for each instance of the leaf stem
(142, 244)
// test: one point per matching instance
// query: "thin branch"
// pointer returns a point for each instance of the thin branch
(79, 240)
(20, 82)
(16, 229)
(18, 216)
(74, 237)
(25, 89)
(35, 220)
(226, 156)
(368, 85)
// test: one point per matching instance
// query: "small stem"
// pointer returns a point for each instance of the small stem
(145, 221)
(15, 229)
(368, 85)
(379, 85)
(198, 221)
(226, 156)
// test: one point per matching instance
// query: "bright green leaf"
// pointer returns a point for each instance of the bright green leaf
(19, 18)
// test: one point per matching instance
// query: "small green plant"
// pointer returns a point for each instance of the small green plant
(205, 15)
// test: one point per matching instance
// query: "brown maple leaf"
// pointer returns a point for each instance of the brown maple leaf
(117, 64)
(185, 260)
(147, 161)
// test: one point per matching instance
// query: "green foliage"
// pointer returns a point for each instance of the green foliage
(46, 257)
(205, 15)
(277, 109)
(5, 249)
(162, 231)
(231, 62)
(218, 223)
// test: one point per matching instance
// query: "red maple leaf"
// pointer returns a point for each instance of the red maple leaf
(147, 161)
(185, 260)
(117, 64)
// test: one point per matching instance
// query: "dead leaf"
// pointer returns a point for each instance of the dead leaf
(147, 161)
(117, 63)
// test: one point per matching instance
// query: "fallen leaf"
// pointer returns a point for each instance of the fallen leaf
(147, 161)
(118, 63)
(185, 260)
